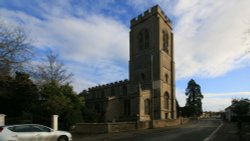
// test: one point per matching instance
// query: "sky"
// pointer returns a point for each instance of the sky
(91, 37)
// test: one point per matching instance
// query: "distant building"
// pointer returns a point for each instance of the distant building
(150, 91)
(230, 115)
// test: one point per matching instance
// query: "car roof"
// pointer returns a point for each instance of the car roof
(19, 125)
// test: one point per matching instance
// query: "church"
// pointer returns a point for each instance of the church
(149, 94)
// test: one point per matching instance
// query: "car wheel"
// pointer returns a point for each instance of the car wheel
(63, 138)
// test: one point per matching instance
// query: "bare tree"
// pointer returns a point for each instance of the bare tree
(15, 48)
(53, 70)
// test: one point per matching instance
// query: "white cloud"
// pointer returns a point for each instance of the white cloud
(96, 42)
(209, 36)
(230, 95)
(215, 104)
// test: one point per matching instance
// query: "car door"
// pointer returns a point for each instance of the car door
(43, 133)
(23, 133)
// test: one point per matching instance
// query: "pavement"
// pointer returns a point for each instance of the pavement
(230, 132)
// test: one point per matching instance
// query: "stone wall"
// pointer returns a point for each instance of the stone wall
(171, 122)
(90, 128)
(121, 126)
(166, 123)
(143, 125)
(97, 128)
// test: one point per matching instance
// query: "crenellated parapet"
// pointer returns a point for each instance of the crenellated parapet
(109, 85)
(150, 12)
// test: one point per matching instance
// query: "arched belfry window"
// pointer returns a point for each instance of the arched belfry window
(146, 38)
(143, 39)
(166, 100)
(165, 38)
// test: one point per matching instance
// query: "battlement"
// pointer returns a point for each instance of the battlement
(148, 13)
(114, 84)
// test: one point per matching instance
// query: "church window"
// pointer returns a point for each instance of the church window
(166, 77)
(144, 39)
(141, 40)
(97, 108)
(166, 115)
(143, 77)
(146, 106)
(126, 107)
(124, 90)
(165, 41)
(103, 93)
(112, 92)
(166, 99)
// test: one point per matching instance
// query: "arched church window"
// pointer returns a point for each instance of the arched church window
(97, 108)
(102, 93)
(146, 106)
(143, 39)
(146, 38)
(166, 99)
(124, 90)
(165, 41)
(126, 107)
(112, 92)
(166, 77)
(143, 77)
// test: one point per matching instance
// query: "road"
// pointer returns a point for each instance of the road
(198, 131)
(194, 131)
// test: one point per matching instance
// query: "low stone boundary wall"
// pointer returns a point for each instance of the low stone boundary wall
(111, 127)
(121, 126)
(170, 122)
(92, 128)
(143, 124)
(95, 128)
(166, 123)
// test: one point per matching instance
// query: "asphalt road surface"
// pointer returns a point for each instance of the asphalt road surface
(198, 131)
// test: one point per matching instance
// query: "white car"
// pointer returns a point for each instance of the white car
(32, 132)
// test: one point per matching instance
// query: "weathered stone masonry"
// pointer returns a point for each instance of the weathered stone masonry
(150, 91)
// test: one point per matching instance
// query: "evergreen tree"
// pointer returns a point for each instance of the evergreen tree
(193, 104)
(17, 96)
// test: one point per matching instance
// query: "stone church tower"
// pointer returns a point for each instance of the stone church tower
(151, 63)
(149, 94)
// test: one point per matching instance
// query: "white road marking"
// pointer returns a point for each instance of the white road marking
(213, 133)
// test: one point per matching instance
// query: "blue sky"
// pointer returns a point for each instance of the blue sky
(92, 39)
